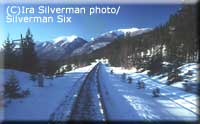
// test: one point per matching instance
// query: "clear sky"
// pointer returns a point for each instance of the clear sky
(85, 26)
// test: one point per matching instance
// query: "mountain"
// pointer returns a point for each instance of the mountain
(64, 40)
(107, 38)
(60, 47)
(175, 42)
(64, 47)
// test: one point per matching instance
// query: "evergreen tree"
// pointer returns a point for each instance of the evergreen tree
(68, 68)
(51, 67)
(40, 80)
(11, 87)
(29, 56)
(155, 64)
(9, 54)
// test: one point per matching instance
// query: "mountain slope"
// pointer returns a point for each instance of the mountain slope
(61, 46)
(107, 38)
(64, 47)
(175, 42)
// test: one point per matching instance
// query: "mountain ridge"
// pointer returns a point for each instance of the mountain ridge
(72, 45)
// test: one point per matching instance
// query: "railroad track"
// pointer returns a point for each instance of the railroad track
(59, 115)
(88, 105)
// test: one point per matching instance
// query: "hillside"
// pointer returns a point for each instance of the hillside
(174, 42)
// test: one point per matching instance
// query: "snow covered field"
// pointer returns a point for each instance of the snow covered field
(189, 72)
(121, 100)
(42, 101)
(126, 102)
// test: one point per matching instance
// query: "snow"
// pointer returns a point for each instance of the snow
(98, 45)
(1, 48)
(132, 30)
(44, 44)
(121, 70)
(88, 106)
(193, 67)
(184, 69)
(42, 102)
(67, 39)
(106, 38)
(128, 30)
(166, 63)
(92, 38)
(124, 101)
(192, 78)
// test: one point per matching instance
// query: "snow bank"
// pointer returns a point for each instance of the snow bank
(190, 74)
(42, 101)
(120, 70)
(125, 101)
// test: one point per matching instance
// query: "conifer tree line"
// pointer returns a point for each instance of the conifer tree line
(21, 56)
(175, 42)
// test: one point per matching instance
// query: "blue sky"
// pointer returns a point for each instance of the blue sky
(85, 26)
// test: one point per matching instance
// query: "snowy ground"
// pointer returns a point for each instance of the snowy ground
(121, 100)
(88, 105)
(192, 78)
(42, 102)
(125, 102)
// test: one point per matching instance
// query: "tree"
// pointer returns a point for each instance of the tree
(10, 59)
(69, 68)
(11, 87)
(51, 67)
(155, 64)
(29, 56)
(40, 80)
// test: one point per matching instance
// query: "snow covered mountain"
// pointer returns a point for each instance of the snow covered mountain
(133, 31)
(107, 38)
(64, 40)
(60, 47)
(65, 46)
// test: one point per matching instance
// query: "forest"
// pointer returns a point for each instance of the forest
(173, 43)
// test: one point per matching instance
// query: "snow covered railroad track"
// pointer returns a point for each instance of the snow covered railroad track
(66, 104)
(88, 106)
(63, 111)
